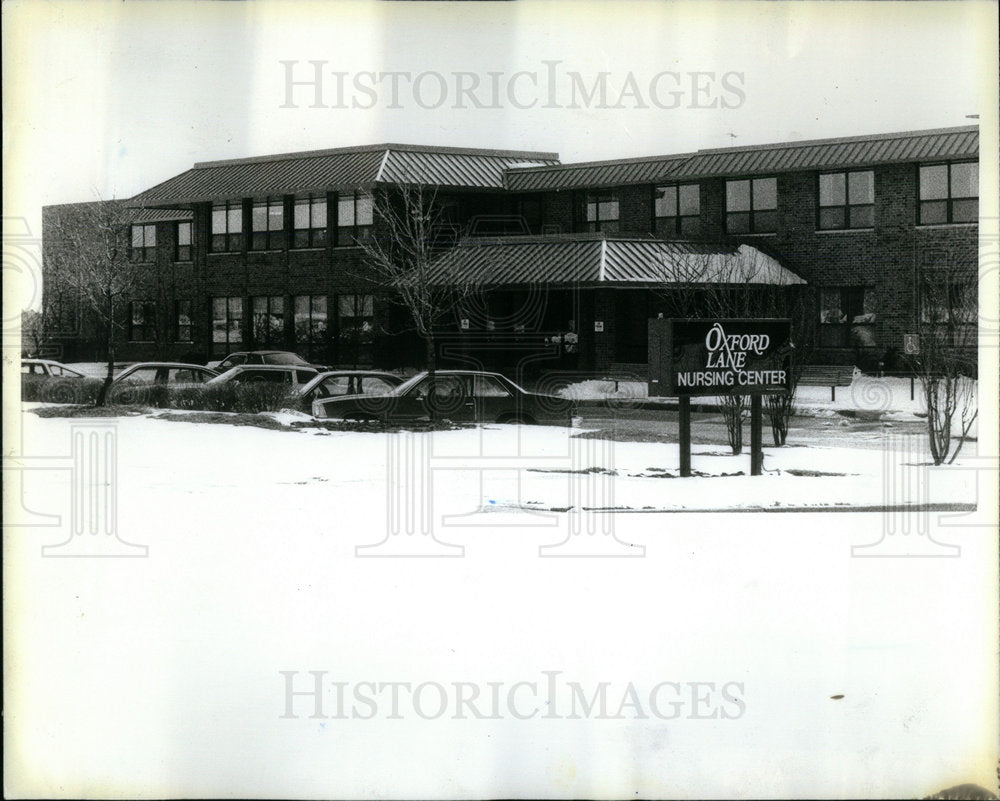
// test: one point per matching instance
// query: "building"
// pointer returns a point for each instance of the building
(570, 259)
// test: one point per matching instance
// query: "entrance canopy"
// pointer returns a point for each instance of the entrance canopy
(598, 260)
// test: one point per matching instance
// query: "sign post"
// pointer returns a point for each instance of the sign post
(717, 358)
(684, 436)
(756, 446)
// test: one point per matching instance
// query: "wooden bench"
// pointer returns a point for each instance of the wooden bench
(827, 375)
(626, 372)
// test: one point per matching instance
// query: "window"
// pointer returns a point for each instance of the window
(142, 319)
(946, 302)
(309, 219)
(227, 324)
(677, 209)
(183, 242)
(227, 227)
(264, 376)
(949, 311)
(846, 200)
(182, 321)
(949, 193)
(355, 216)
(355, 329)
(847, 317)
(752, 206)
(143, 242)
(268, 225)
(486, 386)
(598, 211)
(268, 322)
(187, 375)
(310, 326)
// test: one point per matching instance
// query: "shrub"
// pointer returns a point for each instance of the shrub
(232, 397)
(59, 390)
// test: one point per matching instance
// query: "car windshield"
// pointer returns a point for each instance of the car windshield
(283, 358)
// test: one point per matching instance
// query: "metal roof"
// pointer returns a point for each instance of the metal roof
(863, 151)
(597, 260)
(858, 151)
(163, 215)
(341, 169)
(621, 172)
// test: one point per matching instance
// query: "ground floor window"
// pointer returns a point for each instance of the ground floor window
(227, 324)
(949, 310)
(311, 322)
(355, 329)
(142, 321)
(182, 321)
(268, 328)
(847, 317)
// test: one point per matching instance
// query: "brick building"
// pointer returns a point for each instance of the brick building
(571, 259)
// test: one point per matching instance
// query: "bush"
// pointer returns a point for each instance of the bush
(59, 390)
(232, 397)
(244, 398)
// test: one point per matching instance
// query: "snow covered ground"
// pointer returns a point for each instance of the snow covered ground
(740, 654)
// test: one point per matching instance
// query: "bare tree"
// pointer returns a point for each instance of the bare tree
(87, 251)
(34, 334)
(411, 225)
(946, 363)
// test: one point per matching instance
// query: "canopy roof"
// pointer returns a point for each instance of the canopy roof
(591, 259)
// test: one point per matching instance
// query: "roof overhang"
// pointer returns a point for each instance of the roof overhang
(589, 260)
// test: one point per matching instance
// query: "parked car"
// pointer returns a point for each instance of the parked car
(278, 357)
(131, 383)
(294, 376)
(341, 383)
(173, 373)
(47, 367)
(459, 396)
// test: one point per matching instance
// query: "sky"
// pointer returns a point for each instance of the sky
(107, 99)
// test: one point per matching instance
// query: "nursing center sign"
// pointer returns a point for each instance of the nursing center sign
(719, 357)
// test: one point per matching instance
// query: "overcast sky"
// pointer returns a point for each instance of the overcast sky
(112, 98)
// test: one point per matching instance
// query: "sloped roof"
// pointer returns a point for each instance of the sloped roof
(163, 215)
(620, 172)
(596, 259)
(857, 151)
(340, 169)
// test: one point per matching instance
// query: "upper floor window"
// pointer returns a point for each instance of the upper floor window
(846, 200)
(949, 193)
(677, 209)
(183, 241)
(268, 225)
(227, 226)
(309, 220)
(599, 212)
(143, 242)
(355, 217)
(752, 206)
